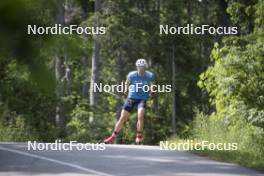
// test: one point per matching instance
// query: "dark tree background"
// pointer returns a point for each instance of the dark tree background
(45, 79)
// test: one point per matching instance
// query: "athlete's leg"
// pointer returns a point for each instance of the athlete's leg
(127, 107)
(140, 122)
(123, 118)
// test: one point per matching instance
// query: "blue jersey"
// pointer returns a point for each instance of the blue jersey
(139, 86)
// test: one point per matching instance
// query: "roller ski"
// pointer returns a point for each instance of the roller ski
(139, 138)
(111, 139)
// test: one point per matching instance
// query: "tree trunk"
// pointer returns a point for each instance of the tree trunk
(59, 73)
(60, 115)
(189, 11)
(85, 60)
(95, 65)
(225, 17)
(85, 87)
(173, 93)
(119, 70)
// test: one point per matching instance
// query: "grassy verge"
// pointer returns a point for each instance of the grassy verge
(20, 132)
(249, 139)
(247, 159)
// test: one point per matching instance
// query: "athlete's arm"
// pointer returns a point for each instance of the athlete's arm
(127, 83)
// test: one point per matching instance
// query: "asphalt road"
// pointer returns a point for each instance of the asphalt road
(118, 160)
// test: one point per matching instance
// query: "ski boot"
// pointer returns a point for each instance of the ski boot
(111, 139)
(139, 138)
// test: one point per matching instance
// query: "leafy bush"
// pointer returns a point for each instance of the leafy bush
(249, 138)
(17, 132)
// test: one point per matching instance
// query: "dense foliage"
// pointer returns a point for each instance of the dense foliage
(44, 79)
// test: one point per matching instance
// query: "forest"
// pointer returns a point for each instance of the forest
(217, 79)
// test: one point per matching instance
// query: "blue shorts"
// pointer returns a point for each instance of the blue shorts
(130, 103)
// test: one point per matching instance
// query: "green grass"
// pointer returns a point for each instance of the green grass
(235, 129)
(248, 159)
(241, 158)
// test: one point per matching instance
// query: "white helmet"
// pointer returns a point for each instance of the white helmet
(141, 63)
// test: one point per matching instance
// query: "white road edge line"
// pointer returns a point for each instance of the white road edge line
(56, 161)
(141, 147)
